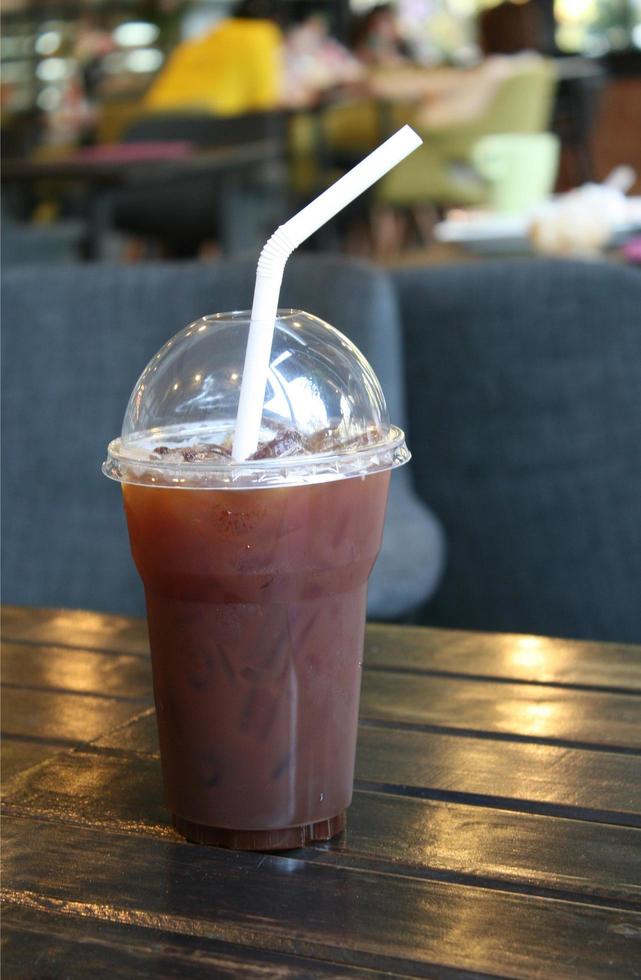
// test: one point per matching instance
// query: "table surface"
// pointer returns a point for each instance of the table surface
(112, 171)
(495, 828)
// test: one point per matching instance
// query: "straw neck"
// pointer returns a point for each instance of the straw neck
(270, 270)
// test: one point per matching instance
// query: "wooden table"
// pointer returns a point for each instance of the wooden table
(222, 165)
(494, 829)
(202, 162)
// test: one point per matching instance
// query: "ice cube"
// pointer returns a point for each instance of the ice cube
(286, 443)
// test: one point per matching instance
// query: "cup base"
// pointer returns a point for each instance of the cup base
(282, 839)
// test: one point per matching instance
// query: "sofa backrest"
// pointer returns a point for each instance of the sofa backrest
(524, 417)
(75, 339)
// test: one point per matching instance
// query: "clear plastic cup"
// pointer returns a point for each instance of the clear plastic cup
(255, 573)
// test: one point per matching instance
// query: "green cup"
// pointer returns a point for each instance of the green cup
(520, 169)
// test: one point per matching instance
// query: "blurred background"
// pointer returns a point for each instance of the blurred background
(245, 110)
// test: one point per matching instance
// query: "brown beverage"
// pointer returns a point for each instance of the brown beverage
(256, 610)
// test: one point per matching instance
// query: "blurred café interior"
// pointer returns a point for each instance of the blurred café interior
(149, 149)
(99, 97)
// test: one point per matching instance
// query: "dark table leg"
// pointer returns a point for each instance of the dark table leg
(99, 217)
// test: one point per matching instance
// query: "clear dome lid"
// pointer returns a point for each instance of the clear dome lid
(324, 414)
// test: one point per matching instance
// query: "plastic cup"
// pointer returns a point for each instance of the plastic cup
(255, 573)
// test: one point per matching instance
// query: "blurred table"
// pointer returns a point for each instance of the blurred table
(101, 176)
(494, 828)
(452, 253)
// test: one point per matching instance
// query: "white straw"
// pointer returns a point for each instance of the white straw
(271, 266)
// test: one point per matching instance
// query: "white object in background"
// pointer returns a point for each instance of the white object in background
(622, 178)
(463, 227)
(584, 221)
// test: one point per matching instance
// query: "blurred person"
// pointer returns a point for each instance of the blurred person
(233, 69)
(376, 39)
(316, 63)
(447, 97)
(92, 44)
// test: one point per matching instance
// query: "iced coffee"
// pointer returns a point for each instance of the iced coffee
(255, 574)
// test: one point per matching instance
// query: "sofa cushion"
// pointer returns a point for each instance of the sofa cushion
(524, 401)
(76, 339)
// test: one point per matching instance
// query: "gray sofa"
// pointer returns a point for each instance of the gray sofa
(523, 390)
(524, 401)
(22, 243)
(75, 340)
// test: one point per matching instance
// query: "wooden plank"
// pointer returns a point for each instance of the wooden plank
(555, 715)
(95, 789)
(498, 848)
(535, 778)
(494, 848)
(17, 755)
(75, 628)
(71, 669)
(355, 918)
(495, 655)
(48, 716)
(139, 735)
(532, 659)
(39, 943)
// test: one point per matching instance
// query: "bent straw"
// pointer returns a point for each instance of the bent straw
(271, 266)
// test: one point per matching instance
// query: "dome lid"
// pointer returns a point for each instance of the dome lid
(324, 414)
